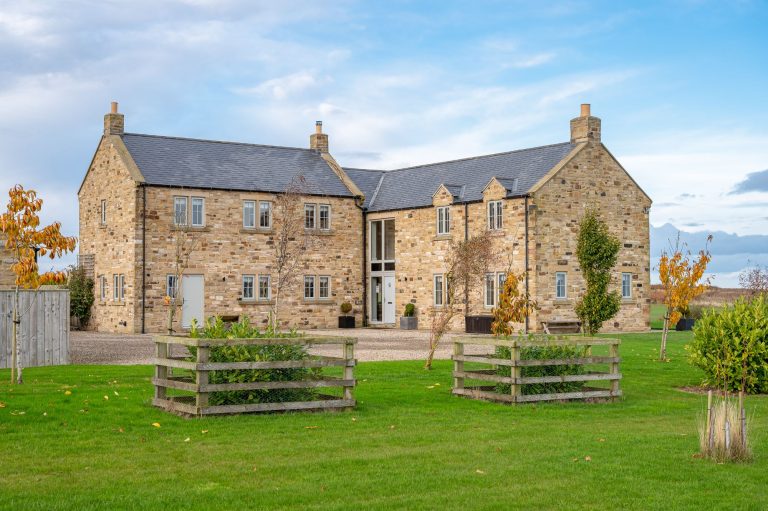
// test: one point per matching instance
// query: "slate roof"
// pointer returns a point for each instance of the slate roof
(414, 187)
(367, 180)
(192, 163)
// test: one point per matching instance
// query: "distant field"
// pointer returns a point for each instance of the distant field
(657, 316)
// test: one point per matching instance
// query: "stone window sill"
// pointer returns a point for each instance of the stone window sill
(256, 230)
(318, 301)
(443, 237)
(191, 228)
(320, 232)
(251, 301)
(116, 304)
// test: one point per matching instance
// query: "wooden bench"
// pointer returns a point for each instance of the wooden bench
(561, 327)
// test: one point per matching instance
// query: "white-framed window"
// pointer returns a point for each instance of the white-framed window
(265, 214)
(501, 278)
(180, 210)
(382, 245)
(309, 216)
(249, 214)
(118, 284)
(309, 287)
(443, 220)
(490, 289)
(438, 293)
(103, 211)
(198, 211)
(561, 282)
(170, 286)
(265, 287)
(626, 285)
(495, 215)
(324, 211)
(103, 287)
(247, 287)
(324, 287)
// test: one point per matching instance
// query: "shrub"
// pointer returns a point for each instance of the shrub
(410, 310)
(80, 295)
(731, 346)
(217, 329)
(542, 353)
(346, 308)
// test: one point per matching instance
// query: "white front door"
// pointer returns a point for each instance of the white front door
(192, 293)
(388, 315)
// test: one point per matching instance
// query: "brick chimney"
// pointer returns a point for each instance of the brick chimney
(114, 123)
(585, 127)
(318, 140)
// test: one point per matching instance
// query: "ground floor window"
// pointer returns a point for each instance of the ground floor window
(438, 290)
(626, 285)
(560, 285)
(247, 287)
(324, 290)
(265, 287)
(309, 287)
(170, 286)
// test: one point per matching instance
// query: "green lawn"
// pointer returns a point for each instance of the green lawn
(407, 446)
(657, 315)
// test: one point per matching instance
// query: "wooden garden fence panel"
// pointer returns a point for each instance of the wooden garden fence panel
(516, 365)
(44, 329)
(197, 383)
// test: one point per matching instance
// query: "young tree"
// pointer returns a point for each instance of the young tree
(185, 242)
(597, 251)
(291, 243)
(465, 264)
(81, 295)
(26, 241)
(681, 280)
(755, 280)
(514, 305)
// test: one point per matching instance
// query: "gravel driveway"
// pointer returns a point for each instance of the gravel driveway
(373, 344)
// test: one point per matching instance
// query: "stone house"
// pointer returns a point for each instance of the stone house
(382, 235)
(7, 277)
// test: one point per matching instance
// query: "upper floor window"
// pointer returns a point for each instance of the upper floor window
(309, 287)
(265, 287)
(309, 216)
(249, 214)
(561, 282)
(103, 212)
(118, 284)
(382, 236)
(324, 287)
(443, 220)
(438, 291)
(198, 212)
(495, 215)
(265, 214)
(325, 217)
(180, 210)
(247, 287)
(626, 285)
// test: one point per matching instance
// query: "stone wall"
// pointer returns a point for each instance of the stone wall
(225, 251)
(114, 244)
(7, 277)
(592, 178)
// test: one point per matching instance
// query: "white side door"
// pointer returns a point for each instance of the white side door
(388, 307)
(192, 292)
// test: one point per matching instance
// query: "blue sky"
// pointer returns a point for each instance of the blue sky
(680, 86)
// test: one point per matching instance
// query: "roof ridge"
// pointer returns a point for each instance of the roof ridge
(169, 137)
(364, 170)
(476, 157)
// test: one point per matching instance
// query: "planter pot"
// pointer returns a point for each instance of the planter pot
(685, 324)
(409, 323)
(346, 322)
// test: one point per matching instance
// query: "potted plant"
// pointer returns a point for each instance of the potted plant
(345, 320)
(408, 321)
(690, 315)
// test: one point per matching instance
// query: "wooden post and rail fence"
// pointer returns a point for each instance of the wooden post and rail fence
(517, 364)
(198, 384)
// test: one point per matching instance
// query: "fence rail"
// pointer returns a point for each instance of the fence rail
(43, 333)
(516, 364)
(198, 383)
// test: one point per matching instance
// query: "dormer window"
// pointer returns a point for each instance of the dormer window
(443, 220)
(495, 216)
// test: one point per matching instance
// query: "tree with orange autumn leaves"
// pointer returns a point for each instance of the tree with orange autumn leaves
(25, 241)
(514, 305)
(681, 279)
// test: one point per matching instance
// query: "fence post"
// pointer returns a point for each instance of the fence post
(458, 365)
(201, 379)
(709, 422)
(349, 374)
(161, 371)
(516, 371)
(614, 351)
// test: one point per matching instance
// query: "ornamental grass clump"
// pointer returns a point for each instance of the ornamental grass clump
(216, 328)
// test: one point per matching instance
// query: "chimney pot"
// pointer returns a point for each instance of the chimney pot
(585, 128)
(318, 141)
(114, 122)
(585, 110)
(114, 107)
(318, 126)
